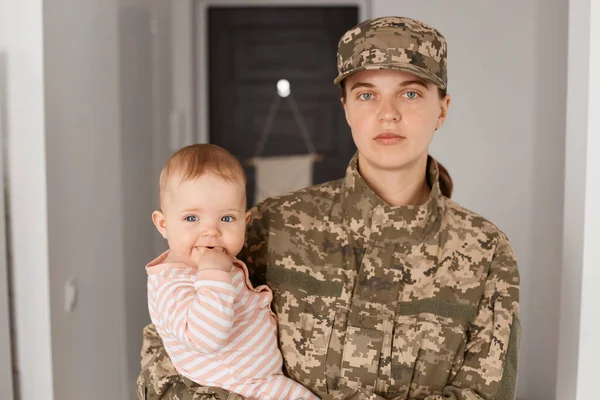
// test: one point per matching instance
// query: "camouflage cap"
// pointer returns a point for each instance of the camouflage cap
(399, 43)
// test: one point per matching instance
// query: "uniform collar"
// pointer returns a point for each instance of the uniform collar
(366, 213)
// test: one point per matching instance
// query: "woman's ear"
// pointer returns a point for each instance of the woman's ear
(444, 105)
(160, 222)
(248, 215)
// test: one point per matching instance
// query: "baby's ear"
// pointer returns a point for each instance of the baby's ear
(160, 222)
(247, 217)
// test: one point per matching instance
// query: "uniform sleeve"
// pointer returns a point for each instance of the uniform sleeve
(157, 372)
(489, 370)
(199, 314)
(254, 252)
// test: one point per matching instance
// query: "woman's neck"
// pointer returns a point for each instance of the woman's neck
(404, 187)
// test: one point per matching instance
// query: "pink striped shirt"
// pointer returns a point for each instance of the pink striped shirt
(218, 330)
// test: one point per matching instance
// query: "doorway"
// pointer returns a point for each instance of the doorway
(250, 50)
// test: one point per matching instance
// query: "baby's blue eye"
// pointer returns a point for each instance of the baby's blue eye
(365, 96)
(227, 218)
(411, 95)
(191, 218)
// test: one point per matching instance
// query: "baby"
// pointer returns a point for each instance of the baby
(216, 328)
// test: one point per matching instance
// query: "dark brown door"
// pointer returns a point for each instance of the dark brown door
(250, 49)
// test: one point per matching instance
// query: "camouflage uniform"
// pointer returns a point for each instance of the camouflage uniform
(414, 302)
(377, 302)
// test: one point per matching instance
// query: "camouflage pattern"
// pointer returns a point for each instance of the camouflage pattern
(378, 302)
(398, 43)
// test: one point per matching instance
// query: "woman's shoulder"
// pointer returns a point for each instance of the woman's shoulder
(477, 238)
(459, 218)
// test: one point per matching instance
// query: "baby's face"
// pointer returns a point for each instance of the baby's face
(206, 212)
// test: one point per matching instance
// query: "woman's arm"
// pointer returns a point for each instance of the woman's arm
(158, 379)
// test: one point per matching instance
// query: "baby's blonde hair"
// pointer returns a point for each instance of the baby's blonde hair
(192, 162)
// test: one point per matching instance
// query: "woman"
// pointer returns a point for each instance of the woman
(384, 288)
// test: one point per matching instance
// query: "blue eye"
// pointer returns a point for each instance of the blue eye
(227, 218)
(411, 95)
(191, 218)
(365, 96)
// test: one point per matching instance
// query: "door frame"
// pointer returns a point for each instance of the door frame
(6, 367)
(189, 121)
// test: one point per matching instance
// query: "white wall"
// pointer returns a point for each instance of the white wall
(504, 145)
(145, 105)
(579, 347)
(21, 42)
(85, 189)
(101, 128)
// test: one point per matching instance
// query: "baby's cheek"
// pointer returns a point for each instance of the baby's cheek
(183, 240)
(237, 240)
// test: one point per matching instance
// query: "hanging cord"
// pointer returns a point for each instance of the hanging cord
(268, 125)
(271, 118)
(300, 121)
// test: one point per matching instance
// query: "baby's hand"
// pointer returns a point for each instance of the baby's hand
(213, 259)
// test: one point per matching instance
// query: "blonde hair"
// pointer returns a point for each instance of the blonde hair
(192, 162)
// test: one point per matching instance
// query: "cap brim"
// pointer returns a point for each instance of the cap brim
(404, 67)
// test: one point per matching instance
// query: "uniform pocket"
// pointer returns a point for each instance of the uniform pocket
(360, 361)
(425, 351)
(362, 352)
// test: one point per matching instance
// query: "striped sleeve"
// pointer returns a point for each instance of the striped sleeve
(195, 310)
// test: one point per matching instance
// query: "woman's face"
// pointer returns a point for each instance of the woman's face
(393, 116)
